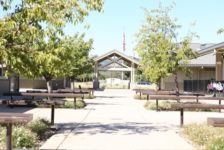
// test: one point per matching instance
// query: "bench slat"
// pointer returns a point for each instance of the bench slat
(195, 106)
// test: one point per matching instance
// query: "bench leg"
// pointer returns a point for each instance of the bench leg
(220, 102)
(52, 114)
(157, 105)
(140, 95)
(9, 136)
(181, 117)
(75, 102)
(197, 99)
(147, 97)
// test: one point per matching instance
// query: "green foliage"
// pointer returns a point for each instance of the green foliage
(209, 137)
(69, 104)
(79, 104)
(162, 106)
(217, 144)
(39, 126)
(220, 31)
(32, 40)
(161, 55)
(137, 96)
(21, 137)
(77, 62)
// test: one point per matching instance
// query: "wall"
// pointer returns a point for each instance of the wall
(4, 85)
(30, 84)
(197, 74)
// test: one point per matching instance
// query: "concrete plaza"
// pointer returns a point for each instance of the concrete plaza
(115, 121)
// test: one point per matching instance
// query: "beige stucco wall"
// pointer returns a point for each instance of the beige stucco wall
(40, 83)
(30, 84)
(197, 74)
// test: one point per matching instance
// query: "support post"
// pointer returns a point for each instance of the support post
(157, 105)
(75, 102)
(181, 117)
(9, 136)
(52, 114)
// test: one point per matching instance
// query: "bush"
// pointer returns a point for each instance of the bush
(79, 104)
(137, 96)
(211, 138)
(216, 144)
(21, 137)
(165, 105)
(69, 104)
(89, 96)
(39, 126)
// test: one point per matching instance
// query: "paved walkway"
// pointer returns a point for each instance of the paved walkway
(114, 121)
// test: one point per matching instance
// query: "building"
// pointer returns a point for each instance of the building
(208, 65)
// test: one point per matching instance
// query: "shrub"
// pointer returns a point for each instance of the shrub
(216, 144)
(21, 137)
(69, 104)
(162, 106)
(137, 96)
(211, 138)
(89, 96)
(39, 126)
(200, 134)
(79, 104)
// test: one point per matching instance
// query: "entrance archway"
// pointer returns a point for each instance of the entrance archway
(115, 61)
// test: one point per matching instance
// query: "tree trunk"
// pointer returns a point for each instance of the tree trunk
(49, 85)
(72, 85)
(176, 84)
(159, 84)
(64, 82)
(14, 83)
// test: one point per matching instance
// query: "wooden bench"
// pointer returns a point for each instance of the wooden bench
(51, 100)
(148, 92)
(215, 122)
(13, 98)
(182, 97)
(181, 107)
(9, 119)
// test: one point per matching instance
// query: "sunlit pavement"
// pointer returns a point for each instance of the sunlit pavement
(115, 121)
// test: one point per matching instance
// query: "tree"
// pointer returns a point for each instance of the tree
(80, 63)
(161, 55)
(31, 33)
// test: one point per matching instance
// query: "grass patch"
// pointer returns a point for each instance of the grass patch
(207, 137)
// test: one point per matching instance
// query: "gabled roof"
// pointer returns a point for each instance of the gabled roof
(198, 46)
(206, 56)
(116, 52)
(211, 49)
(207, 60)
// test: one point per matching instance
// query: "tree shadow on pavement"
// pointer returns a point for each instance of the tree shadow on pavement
(15, 109)
(127, 128)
